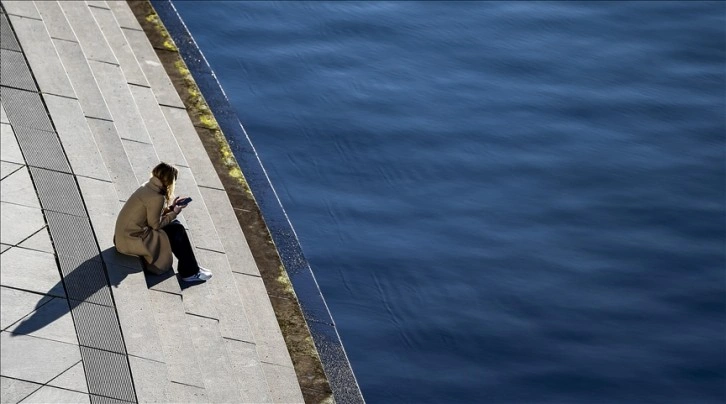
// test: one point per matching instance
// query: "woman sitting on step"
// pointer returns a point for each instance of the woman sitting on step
(147, 227)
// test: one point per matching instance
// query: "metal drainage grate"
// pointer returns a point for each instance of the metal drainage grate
(14, 71)
(105, 400)
(7, 38)
(58, 192)
(42, 149)
(25, 108)
(97, 326)
(107, 374)
(85, 281)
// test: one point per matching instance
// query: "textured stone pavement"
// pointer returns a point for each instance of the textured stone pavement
(87, 111)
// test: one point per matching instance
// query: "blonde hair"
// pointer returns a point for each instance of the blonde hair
(167, 174)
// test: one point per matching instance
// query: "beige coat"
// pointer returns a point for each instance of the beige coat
(138, 227)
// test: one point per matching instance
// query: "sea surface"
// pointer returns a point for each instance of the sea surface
(502, 202)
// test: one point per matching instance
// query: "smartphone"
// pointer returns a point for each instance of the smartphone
(183, 202)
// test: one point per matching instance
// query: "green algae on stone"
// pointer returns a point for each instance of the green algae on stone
(296, 333)
(168, 42)
(284, 280)
(198, 105)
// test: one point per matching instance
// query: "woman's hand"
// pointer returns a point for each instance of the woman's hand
(178, 208)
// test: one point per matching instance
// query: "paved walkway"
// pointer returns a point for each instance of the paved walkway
(87, 111)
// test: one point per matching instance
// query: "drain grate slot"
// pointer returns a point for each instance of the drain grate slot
(25, 108)
(85, 280)
(7, 38)
(94, 315)
(72, 236)
(42, 149)
(97, 326)
(106, 400)
(14, 71)
(58, 192)
(107, 374)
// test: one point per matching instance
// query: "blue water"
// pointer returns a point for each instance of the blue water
(502, 201)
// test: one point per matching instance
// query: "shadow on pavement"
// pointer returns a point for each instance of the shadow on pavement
(87, 283)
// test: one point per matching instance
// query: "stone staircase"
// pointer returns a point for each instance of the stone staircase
(117, 115)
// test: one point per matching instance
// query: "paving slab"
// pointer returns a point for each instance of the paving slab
(196, 213)
(18, 188)
(55, 21)
(7, 168)
(12, 390)
(31, 270)
(49, 394)
(89, 35)
(234, 241)
(271, 346)
(120, 103)
(51, 320)
(9, 148)
(161, 135)
(23, 8)
(4, 247)
(192, 147)
(182, 366)
(115, 38)
(149, 380)
(135, 313)
(119, 168)
(35, 359)
(39, 241)
(167, 282)
(100, 199)
(198, 298)
(142, 157)
(97, 4)
(232, 314)
(248, 370)
(216, 372)
(74, 133)
(72, 379)
(124, 15)
(286, 388)
(42, 57)
(180, 393)
(16, 304)
(153, 70)
(13, 230)
(76, 66)
(102, 207)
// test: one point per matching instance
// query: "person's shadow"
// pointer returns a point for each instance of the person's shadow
(88, 282)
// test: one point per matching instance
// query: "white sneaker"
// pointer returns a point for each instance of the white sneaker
(201, 276)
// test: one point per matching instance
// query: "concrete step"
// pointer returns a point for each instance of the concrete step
(83, 136)
(202, 230)
(201, 300)
(119, 118)
(265, 330)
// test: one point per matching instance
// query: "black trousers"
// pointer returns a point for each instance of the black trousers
(182, 248)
